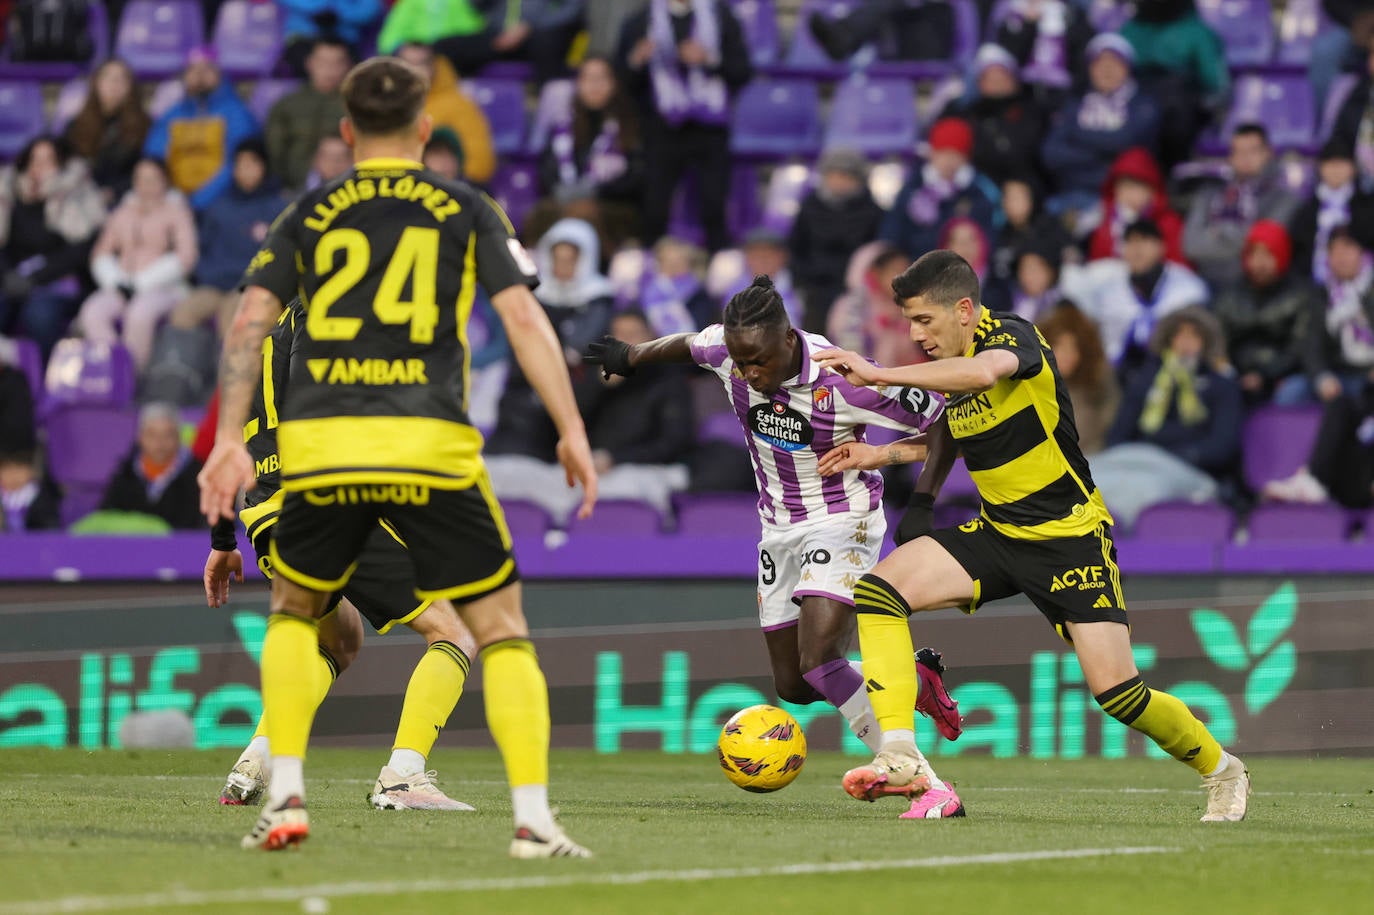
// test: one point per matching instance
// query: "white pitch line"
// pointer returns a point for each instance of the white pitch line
(69, 904)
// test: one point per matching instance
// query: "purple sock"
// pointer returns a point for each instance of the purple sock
(835, 680)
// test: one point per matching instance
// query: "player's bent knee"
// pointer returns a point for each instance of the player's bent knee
(495, 617)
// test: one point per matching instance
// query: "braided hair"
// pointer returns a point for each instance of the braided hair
(757, 305)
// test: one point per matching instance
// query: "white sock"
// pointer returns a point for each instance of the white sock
(531, 804)
(258, 746)
(1222, 764)
(406, 762)
(288, 779)
(899, 737)
(930, 770)
(858, 713)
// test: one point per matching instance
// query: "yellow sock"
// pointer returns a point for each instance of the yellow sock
(329, 672)
(292, 684)
(885, 643)
(430, 697)
(1165, 720)
(517, 702)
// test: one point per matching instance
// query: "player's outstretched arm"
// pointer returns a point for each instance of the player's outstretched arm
(229, 467)
(863, 456)
(540, 356)
(956, 375)
(619, 358)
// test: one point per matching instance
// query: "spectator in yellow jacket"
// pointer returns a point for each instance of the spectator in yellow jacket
(450, 108)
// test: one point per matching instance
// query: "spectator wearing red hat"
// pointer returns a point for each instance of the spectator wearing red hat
(944, 187)
(1135, 190)
(1266, 317)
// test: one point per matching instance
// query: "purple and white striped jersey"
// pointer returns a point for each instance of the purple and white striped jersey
(809, 415)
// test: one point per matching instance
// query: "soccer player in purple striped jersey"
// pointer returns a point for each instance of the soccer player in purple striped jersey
(820, 534)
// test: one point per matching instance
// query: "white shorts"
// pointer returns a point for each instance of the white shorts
(825, 557)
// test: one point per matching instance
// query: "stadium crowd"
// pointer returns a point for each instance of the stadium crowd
(1094, 163)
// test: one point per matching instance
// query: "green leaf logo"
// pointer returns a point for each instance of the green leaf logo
(251, 629)
(1219, 639)
(1271, 663)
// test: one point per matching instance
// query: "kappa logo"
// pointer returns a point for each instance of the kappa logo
(821, 400)
(849, 580)
(1087, 578)
(854, 558)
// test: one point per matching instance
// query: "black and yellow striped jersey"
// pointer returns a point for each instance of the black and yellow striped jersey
(1019, 440)
(386, 261)
(262, 502)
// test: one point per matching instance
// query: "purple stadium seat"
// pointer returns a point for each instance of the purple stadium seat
(31, 364)
(721, 427)
(266, 92)
(503, 102)
(759, 20)
(732, 514)
(742, 210)
(84, 374)
(1277, 441)
(553, 112)
(1302, 21)
(98, 26)
(70, 98)
(1270, 522)
(79, 500)
(1108, 15)
(804, 55)
(620, 518)
(21, 116)
(876, 117)
(248, 38)
(86, 443)
(1282, 102)
(515, 186)
(1335, 98)
(525, 519)
(154, 35)
(777, 118)
(1246, 28)
(787, 185)
(166, 94)
(1210, 523)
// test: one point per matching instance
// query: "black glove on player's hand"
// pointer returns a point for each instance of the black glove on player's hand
(612, 355)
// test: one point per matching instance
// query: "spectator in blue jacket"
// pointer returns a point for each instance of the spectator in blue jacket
(197, 136)
(231, 231)
(945, 187)
(1177, 434)
(1090, 132)
(346, 20)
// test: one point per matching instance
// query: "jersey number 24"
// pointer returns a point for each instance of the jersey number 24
(416, 259)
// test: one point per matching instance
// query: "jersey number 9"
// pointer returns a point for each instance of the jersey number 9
(416, 259)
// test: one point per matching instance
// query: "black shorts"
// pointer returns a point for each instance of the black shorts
(456, 539)
(1070, 579)
(382, 586)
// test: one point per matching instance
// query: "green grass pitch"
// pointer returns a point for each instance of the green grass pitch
(141, 831)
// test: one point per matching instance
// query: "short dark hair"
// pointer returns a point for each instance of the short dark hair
(1342, 232)
(941, 276)
(62, 151)
(384, 95)
(331, 41)
(1253, 129)
(757, 305)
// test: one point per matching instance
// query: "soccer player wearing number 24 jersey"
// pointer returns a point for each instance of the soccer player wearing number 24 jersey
(1043, 531)
(819, 534)
(386, 260)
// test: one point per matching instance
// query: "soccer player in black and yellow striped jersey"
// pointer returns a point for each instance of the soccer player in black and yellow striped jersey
(1044, 530)
(386, 260)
